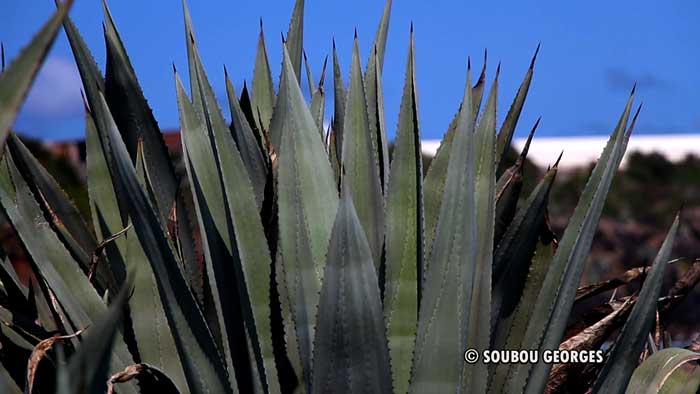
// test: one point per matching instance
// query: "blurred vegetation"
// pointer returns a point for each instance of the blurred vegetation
(649, 189)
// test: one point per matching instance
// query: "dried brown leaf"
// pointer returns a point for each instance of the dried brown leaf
(100, 249)
(563, 376)
(39, 353)
(626, 277)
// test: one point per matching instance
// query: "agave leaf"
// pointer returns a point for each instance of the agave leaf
(88, 368)
(203, 171)
(191, 61)
(17, 78)
(475, 376)
(508, 189)
(53, 262)
(333, 153)
(404, 233)
(683, 380)
(318, 101)
(65, 278)
(291, 344)
(46, 314)
(623, 357)
(93, 82)
(309, 76)
(254, 264)
(339, 98)
(14, 329)
(108, 214)
(104, 200)
(446, 291)
(247, 108)
(93, 85)
(511, 261)
(360, 161)
(295, 38)
(207, 142)
(380, 40)
(240, 236)
(202, 363)
(151, 329)
(434, 185)
(656, 373)
(247, 145)
(511, 330)
(135, 118)
(375, 99)
(505, 135)
(12, 285)
(7, 384)
(63, 215)
(375, 108)
(350, 353)
(154, 339)
(550, 315)
(74, 228)
(263, 89)
(480, 86)
(307, 200)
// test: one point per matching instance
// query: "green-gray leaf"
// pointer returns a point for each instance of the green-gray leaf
(514, 253)
(508, 189)
(550, 315)
(404, 233)
(204, 369)
(511, 330)
(64, 216)
(318, 102)
(247, 145)
(505, 135)
(88, 368)
(620, 364)
(134, 118)
(434, 186)
(154, 339)
(446, 292)
(295, 37)
(657, 373)
(307, 200)
(7, 384)
(350, 353)
(375, 99)
(339, 98)
(17, 78)
(359, 160)
(263, 89)
(475, 376)
(253, 265)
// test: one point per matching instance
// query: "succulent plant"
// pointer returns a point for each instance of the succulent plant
(294, 259)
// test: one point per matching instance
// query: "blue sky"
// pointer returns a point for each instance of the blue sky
(592, 52)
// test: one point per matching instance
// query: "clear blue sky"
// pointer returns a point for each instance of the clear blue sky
(592, 52)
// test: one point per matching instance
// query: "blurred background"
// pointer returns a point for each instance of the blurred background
(592, 53)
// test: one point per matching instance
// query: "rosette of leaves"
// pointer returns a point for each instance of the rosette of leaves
(294, 259)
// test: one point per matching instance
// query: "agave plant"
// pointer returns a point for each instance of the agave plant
(293, 259)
